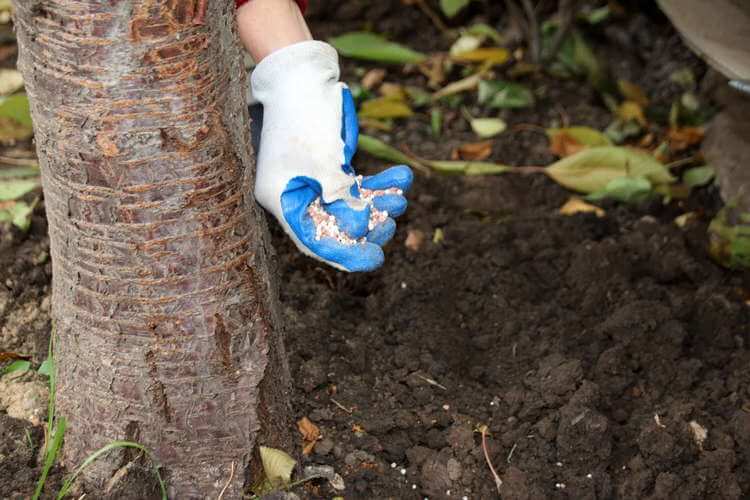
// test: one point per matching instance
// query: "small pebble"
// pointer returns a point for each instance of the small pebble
(403, 285)
(414, 486)
(559, 464)
(403, 472)
(589, 475)
(393, 465)
(446, 407)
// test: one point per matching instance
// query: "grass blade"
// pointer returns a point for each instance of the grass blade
(106, 449)
(50, 455)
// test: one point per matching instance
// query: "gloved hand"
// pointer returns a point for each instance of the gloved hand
(304, 175)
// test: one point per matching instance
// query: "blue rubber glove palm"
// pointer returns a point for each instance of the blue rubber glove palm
(305, 177)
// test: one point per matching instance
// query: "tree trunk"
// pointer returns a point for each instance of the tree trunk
(164, 306)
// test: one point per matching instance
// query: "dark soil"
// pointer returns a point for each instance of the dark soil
(595, 350)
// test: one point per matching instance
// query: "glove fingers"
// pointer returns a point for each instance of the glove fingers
(350, 220)
(383, 232)
(354, 258)
(399, 177)
(394, 204)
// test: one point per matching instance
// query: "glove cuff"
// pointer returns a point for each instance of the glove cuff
(298, 65)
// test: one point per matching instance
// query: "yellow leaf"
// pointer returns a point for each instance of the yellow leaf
(632, 92)
(575, 205)
(384, 107)
(277, 465)
(393, 91)
(631, 110)
(492, 55)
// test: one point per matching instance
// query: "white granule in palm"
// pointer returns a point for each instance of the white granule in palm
(376, 216)
(327, 227)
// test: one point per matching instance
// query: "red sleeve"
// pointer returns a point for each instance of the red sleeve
(302, 4)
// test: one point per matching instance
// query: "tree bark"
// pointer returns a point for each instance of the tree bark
(164, 306)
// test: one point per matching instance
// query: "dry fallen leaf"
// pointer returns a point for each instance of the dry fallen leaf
(8, 356)
(472, 151)
(373, 78)
(414, 239)
(463, 85)
(434, 69)
(684, 137)
(563, 144)
(576, 205)
(310, 433)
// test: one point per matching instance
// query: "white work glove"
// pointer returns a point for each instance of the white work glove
(304, 176)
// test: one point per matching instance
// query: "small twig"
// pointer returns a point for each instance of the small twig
(432, 382)
(498, 481)
(681, 162)
(229, 481)
(565, 12)
(19, 162)
(347, 410)
(532, 30)
(516, 21)
(530, 169)
(528, 127)
(564, 118)
(515, 445)
(439, 24)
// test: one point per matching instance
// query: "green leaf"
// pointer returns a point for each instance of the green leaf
(7, 173)
(15, 188)
(436, 121)
(277, 465)
(502, 94)
(488, 127)
(624, 189)
(468, 167)
(379, 149)
(585, 59)
(592, 169)
(618, 131)
(372, 47)
(46, 367)
(452, 7)
(698, 176)
(729, 238)
(18, 213)
(19, 366)
(418, 96)
(598, 15)
(585, 136)
(384, 107)
(16, 107)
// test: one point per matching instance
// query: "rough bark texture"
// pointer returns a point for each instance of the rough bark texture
(163, 302)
